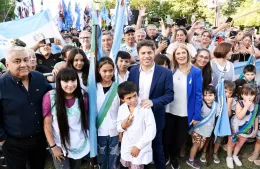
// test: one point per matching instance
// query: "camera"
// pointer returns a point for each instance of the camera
(48, 41)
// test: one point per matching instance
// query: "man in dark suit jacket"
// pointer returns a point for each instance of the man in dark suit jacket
(155, 88)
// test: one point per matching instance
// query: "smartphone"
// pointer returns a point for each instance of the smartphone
(48, 40)
(207, 24)
(202, 24)
(229, 19)
(155, 19)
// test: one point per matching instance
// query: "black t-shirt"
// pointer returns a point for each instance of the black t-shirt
(50, 62)
(106, 89)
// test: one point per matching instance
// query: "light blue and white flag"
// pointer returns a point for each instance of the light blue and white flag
(30, 30)
(222, 127)
(104, 15)
(120, 21)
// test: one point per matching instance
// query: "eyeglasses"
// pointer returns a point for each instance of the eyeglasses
(86, 38)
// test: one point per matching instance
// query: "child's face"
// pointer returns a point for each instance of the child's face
(208, 97)
(249, 76)
(69, 86)
(131, 99)
(248, 97)
(228, 92)
(106, 72)
(123, 64)
(78, 62)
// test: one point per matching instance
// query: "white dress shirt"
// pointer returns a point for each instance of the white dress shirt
(120, 80)
(108, 127)
(145, 82)
(139, 134)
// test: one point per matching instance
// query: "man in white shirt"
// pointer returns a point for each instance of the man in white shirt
(155, 88)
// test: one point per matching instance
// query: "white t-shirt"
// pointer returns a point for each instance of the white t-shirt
(131, 50)
(178, 106)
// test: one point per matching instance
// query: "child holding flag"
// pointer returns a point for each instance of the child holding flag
(107, 105)
(243, 124)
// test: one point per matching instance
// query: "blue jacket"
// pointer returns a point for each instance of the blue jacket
(194, 94)
(161, 92)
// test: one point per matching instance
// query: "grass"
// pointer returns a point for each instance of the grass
(243, 155)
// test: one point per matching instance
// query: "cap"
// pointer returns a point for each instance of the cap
(67, 35)
(129, 29)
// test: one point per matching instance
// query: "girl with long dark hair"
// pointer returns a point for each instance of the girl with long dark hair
(107, 105)
(78, 61)
(65, 112)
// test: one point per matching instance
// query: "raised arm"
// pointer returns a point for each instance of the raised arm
(224, 25)
(140, 17)
(241, 111)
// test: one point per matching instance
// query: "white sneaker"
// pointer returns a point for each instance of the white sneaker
(237, 161)
(229, 161)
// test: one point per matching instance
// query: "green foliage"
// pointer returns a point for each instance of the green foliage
(6, 5)
(251, 19)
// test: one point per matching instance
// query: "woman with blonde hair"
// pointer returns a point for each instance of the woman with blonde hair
(185, 110)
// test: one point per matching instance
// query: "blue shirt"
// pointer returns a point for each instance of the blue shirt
(21, 110)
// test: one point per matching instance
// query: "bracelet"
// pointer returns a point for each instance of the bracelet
(53, 146)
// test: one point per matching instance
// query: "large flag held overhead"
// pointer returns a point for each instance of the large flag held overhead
(222, 127)
(119, 25)
(104, 15)
(30, 30)
(78, 23)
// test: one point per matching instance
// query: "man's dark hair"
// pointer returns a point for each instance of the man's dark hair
(249, 68)
(148, 43)
(210, 89)
(123, 55)
(125, 88)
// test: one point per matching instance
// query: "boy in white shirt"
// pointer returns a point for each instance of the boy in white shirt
(138, 127)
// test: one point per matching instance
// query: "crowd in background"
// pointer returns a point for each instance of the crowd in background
(160, 89)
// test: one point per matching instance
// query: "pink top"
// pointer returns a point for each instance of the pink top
(46, 103)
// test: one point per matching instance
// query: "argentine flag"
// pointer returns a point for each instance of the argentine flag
(30, 30)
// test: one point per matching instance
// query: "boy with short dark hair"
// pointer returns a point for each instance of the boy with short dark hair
(138, 127)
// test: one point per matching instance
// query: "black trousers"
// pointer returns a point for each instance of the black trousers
(175, 134)
(19, 152)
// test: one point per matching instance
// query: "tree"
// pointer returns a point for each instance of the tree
(8, 6)
(251, 19)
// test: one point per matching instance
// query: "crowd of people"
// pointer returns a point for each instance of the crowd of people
(160, 90)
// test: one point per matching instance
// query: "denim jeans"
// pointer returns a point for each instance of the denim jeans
(108, 151)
